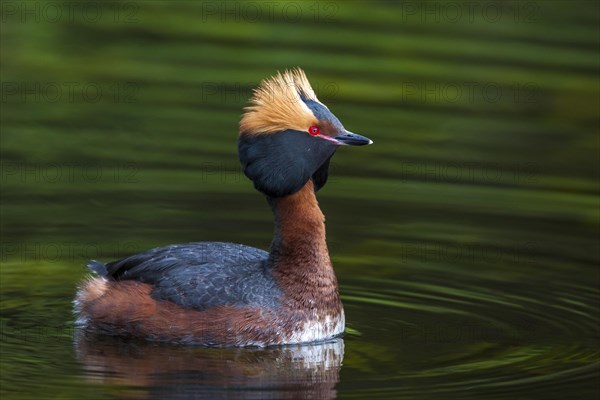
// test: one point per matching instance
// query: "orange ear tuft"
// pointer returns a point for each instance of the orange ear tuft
(277, 105)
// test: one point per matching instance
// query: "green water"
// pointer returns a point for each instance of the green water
(465, 238)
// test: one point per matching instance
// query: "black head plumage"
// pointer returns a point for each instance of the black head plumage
(280, 164)
(288, 136)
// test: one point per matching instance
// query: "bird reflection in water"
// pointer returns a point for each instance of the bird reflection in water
(145, 370)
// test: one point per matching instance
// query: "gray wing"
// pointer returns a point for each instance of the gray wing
(200, 275)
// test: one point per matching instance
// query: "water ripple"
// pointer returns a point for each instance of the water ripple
(470, 339)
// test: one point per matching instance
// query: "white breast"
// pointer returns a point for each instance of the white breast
(321, 328)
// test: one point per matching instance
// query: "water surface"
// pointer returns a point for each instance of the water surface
(465, 239)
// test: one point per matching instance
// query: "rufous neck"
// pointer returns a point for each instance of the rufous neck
(299, 225)
(299, 255)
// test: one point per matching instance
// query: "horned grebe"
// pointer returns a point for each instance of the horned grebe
(224, 294)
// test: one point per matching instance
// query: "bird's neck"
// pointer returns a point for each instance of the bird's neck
(299, 253)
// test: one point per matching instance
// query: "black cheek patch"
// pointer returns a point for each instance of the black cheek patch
(274, 181)
(320, 176)
(280, 164)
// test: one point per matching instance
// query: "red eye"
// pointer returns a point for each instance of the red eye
(314, 130)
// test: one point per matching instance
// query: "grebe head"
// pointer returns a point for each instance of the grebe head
(287, 136)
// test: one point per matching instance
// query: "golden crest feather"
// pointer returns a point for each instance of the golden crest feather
(277, 104)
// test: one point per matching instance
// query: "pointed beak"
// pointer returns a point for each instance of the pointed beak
(352, 139)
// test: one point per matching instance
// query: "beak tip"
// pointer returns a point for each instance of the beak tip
(352, 139)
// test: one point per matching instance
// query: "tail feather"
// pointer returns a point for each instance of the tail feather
(98, 267)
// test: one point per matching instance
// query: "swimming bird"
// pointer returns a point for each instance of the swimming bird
(224, 294)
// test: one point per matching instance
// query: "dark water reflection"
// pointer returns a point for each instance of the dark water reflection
(147, 371)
